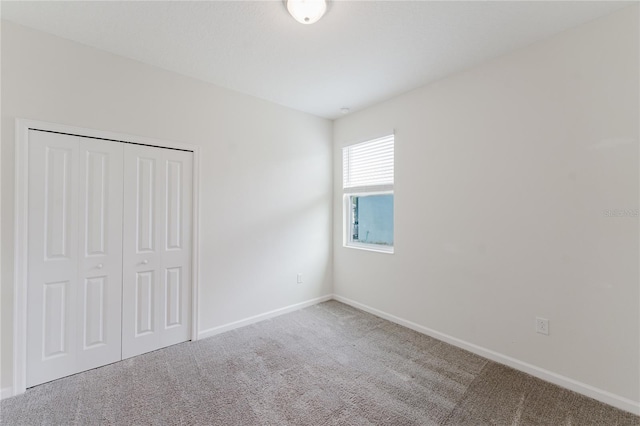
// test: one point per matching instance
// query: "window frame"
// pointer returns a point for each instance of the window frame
(365, 189)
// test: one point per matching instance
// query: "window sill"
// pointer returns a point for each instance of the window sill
(369, 247)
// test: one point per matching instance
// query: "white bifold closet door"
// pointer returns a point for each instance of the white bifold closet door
(157, 249)
(74, 288)
(109, 252)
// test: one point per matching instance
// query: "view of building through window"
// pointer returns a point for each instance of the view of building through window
(372, 217)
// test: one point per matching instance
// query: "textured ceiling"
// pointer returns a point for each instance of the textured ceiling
(360, 53)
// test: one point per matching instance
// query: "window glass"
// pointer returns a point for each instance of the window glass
(372, 219)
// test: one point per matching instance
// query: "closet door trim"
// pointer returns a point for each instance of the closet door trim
(21, 197)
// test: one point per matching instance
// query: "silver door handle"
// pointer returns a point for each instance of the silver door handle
(144, 262)
(99, 265)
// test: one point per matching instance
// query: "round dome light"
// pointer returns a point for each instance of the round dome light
(307, 11)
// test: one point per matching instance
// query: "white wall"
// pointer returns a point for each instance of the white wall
(265, 170)
(503, 173)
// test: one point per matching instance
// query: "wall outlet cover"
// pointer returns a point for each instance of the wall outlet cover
(542, 326)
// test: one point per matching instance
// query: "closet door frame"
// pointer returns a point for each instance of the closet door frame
(21, 197)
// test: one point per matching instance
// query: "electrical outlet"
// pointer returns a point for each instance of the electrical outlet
(300, 278)
(542, 326)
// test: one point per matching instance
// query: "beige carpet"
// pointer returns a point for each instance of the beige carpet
(329, 364)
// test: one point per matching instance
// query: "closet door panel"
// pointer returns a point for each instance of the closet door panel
(141, 262)
(157, 249)
(100, 269)
(52, 282)
(176, 250)
(75, 255)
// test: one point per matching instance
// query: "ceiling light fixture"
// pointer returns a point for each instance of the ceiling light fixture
(307, 11)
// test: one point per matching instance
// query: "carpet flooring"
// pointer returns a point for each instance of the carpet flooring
(329, 364)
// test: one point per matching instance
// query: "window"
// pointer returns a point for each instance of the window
(368, 194)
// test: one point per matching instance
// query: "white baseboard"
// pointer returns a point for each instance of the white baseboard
(6, 393)
(549, 376)
(261, 317)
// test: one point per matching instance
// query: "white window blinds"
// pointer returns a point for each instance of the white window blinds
(368, 165)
